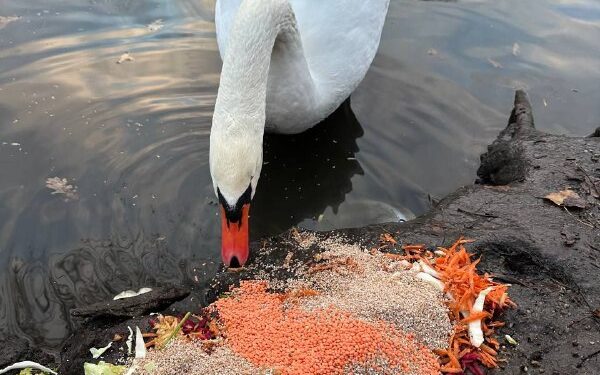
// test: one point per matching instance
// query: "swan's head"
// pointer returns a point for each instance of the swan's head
(235, 165)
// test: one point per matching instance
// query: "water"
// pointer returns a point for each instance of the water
(133, 137)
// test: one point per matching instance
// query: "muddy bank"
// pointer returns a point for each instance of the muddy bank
(549, 253)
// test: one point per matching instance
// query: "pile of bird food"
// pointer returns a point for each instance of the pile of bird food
(352, 311)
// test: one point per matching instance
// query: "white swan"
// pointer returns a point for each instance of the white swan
(287, 64)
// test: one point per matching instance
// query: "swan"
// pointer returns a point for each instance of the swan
(287, 65)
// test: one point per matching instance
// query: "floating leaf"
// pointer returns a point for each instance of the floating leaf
(126, 57)
(156, 25)
(62, 186)
(516, 49)
(494, 63)
(6, 20)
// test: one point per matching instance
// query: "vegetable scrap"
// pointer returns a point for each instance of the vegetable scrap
(97, 352)
(24, 365)
(510, 340)
(129, 341)
(131, 293)
(474, 300)
(103, 368)
(190, 326)
(140, 347)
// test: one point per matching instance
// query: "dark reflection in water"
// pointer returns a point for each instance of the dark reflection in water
(306, 173)
(133, 137)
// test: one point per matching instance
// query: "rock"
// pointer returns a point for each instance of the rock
(156, 300)
(14, 349)
(99, 323)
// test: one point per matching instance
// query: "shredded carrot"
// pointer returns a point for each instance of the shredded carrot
(487, 349)
(462, 282)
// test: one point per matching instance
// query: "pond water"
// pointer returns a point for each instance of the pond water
(131, 139)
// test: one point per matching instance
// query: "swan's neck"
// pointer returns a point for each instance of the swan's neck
(263, 31)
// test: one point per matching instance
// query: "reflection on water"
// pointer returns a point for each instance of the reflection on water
(133, 137)
(306, 173)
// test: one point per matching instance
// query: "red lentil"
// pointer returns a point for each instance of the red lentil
(269, 334)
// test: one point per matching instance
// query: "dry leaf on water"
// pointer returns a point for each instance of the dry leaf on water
(494, 63)
(62, 186)
(6, 20)
(156, 25)
(125, 58)
(516, 49)
(567, 198)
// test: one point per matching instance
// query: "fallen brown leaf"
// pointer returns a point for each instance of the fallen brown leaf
(567, 198)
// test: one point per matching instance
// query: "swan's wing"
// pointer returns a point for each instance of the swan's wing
(224, 14)
(340, 39)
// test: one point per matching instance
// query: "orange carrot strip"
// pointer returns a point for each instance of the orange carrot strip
(488, 350)
(453, 360)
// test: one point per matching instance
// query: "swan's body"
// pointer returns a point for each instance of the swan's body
(323, 51)
(287, 64)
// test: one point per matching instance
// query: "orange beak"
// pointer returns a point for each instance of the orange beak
(234, 239)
